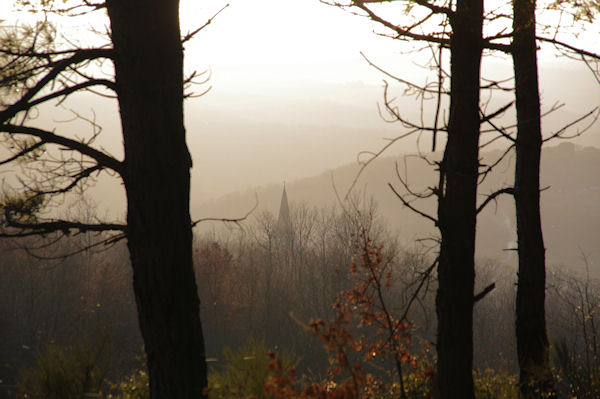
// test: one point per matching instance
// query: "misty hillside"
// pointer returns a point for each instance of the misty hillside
(570, 202)
(237, 135)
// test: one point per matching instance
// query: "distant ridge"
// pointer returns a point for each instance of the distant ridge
(570, 204)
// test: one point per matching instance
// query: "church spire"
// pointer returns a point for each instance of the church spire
(284, 222)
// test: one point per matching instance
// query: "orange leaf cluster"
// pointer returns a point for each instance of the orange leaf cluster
(364, 303)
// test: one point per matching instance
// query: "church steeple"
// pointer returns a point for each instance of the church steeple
(284, 222)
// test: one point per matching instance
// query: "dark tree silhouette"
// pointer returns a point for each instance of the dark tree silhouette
(148, 59)
(532, 341)
(459, 171)
(457, 206)
(457, 188)
(147, 56)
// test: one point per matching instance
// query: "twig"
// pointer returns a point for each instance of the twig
(194, 32)
(228, 220)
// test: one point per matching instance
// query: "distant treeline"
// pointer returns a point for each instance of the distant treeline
(267, 280)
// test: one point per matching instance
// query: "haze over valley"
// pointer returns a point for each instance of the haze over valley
(247, 139)
(325, 203)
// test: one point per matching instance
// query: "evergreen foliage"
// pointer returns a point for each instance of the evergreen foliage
(73, 372)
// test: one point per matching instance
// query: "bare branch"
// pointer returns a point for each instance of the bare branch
(402, 32)
(72, 89)
(424, 3)
(64, 226)
(189, 81)
(107, 242)
(23, 152)
(412, 208)
(228, 220)
(393, 111)
(102, 158)
(425, 276)
(398, 79)
(194, 32)
(404, 182)
(594, 70)
(577, 50)
(438, 104)
(86, 7)
(373, 156)
(76, 179)
(558, 133)
(505, 48)
(495, 84)
(483, 293)
(500, 111)
(77, 57)
(489, 168)
(494, 195)
(500, 130)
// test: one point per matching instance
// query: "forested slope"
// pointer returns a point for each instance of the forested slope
(570, 200)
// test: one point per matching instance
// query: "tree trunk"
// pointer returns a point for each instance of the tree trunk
(532, 342)
(457, 207)
(149, 77)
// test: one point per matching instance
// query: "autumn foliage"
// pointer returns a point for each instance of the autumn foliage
(362, 339)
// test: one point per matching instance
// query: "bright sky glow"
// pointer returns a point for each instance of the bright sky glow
(279, 32)
(288, 32)
(262, 53)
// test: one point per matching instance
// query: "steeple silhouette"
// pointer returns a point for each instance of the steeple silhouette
(284, 222)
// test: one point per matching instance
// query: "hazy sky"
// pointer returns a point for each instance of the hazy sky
(268, 57)
(287, 80)
(277, 32)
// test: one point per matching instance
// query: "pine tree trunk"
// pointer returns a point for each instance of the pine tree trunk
(457, 207)
(149, 77)
(532, 342)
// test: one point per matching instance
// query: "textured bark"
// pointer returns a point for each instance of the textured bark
(149, 77)
(457, 207)
(532, 342)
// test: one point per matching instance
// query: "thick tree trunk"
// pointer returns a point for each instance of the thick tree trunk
(457, 207)
(532, 342)
(149, 76)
